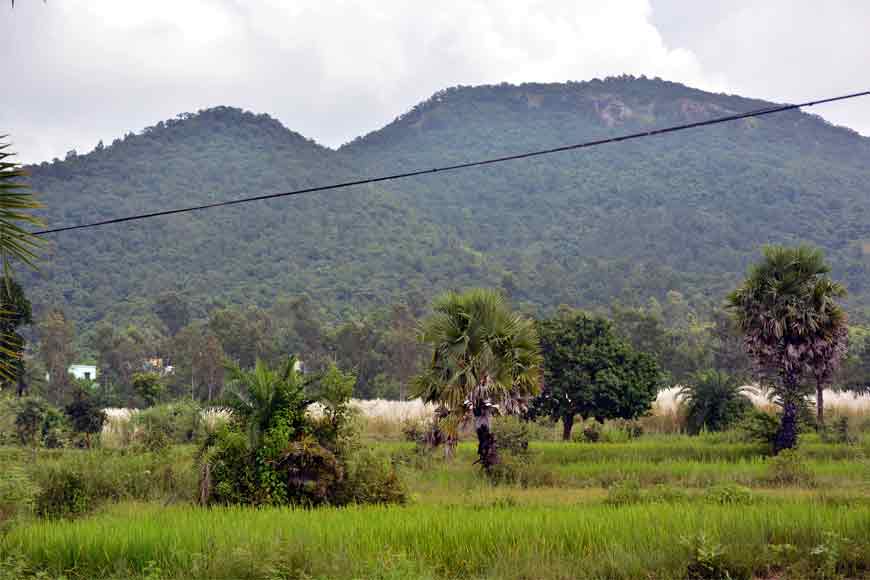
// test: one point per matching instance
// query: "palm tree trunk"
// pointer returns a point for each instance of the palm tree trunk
(567, 426)
(487, 452)
(820, 405)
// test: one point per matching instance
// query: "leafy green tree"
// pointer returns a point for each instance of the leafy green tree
(149, 387)
(590, 371)
(484, 358)
(714, 401)
(788, 312)
(85, 415)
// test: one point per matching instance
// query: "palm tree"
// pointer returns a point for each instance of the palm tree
(714, 400)
(259, 395)
(792, 324)
(16, 243)
(485, 359)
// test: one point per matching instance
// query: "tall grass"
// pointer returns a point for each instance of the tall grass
(640, 541)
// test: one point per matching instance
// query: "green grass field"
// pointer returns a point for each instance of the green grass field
(656, 507)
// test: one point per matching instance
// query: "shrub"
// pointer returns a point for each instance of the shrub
(759, 427)
(706, 559)
(512, 435)
(39, 424)
(728, 494)
(179, 422)
(372, 479)
(788, 468)
(591, 433)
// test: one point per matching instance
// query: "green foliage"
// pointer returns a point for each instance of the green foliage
(512, 435)
(17, 494)
(39, 424)
(179, 422)
(578, 229)
(591, 372)
(149, 387)
(714, 401)
(760, 427)
(706, 559)
(273, 453)
(789, 468)
(794, 326)
(484, 356)
(728, 494)
(85, 415)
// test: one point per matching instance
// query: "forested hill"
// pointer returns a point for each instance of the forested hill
(627, 221)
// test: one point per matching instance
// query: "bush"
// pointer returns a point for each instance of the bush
(511, 435)
(372, 479)
(591, 433)
(39, 424)
(706, 559)
(788, 468)
(728, 494)
(759, 427)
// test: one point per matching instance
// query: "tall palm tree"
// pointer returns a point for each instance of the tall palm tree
(17, 243)
(485, 360)
(792, 325)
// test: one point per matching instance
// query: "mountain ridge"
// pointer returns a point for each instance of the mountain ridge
(617, 222)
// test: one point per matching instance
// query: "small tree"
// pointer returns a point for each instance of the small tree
(714, 401)
(148, 387)
(591, 372)
(85, 415)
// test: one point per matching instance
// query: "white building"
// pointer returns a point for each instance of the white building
(88, 372)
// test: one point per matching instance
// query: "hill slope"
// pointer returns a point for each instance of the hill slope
(685, 211)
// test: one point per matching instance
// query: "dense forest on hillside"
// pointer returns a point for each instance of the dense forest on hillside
(684, 212)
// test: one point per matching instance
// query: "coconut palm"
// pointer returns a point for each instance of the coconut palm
(485, 360)
(787, 311)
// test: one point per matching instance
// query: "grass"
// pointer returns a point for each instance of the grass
(581, 510)
(577, 541)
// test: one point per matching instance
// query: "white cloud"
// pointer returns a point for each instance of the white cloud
(93, 69)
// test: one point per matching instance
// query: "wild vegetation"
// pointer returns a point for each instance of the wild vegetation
(538, 446)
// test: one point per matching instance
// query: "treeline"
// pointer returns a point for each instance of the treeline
(185, 356)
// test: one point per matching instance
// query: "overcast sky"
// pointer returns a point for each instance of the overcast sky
(77, 71)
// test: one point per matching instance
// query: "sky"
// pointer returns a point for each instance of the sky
(79, 71)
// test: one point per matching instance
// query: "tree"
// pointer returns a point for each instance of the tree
(714, 401)
(263, 398)
(592, 372)
(172, 311)
(15, 311)
(787, 311)
(148, 387)
(485, 359)
(56, 333)
(85, 415)
(17, 243)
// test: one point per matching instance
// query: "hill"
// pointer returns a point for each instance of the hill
(682, 212)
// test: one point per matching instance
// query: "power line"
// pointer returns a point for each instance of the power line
(491, 161)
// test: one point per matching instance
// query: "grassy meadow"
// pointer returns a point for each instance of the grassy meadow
(661, 505)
